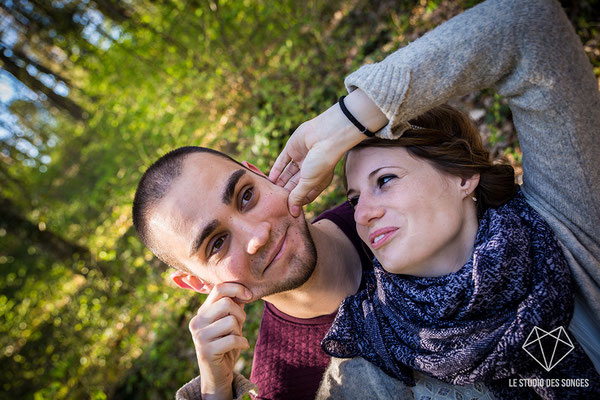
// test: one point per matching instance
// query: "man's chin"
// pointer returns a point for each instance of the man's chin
(300, 267)
(290, 284)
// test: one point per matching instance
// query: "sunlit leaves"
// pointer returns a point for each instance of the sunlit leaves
(91, 315)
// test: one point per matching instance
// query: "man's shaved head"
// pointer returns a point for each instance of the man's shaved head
(218, 220)
(153, 187)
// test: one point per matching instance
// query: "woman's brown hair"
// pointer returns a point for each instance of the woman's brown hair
(448, 139)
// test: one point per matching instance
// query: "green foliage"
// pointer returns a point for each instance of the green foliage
(85, 310)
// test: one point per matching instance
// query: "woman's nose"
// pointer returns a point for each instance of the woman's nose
(258, 236)
(367, 212)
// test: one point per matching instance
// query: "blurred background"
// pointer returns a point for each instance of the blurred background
(93, 91)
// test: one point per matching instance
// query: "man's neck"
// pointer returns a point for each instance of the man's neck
(337, 275)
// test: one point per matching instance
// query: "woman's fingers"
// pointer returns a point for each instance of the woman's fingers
(306, 191)
(292, 182)
(291, 170)
(282, 161)
(291, 156)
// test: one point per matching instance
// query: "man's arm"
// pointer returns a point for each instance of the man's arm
(193, 389)
(217, 334)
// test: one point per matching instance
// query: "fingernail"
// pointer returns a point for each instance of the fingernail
(295, 211)
(247, 294)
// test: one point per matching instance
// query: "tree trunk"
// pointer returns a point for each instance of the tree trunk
(63, 103)
(59, 247)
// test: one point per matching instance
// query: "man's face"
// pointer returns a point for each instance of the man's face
(228, 224)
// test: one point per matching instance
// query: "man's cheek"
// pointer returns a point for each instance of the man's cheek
(231, 269)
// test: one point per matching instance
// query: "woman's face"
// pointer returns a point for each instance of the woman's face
(416, 220)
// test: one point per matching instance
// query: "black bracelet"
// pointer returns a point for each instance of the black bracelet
(361, 127)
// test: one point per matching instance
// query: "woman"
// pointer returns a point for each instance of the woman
(527, 51)
(465, 270)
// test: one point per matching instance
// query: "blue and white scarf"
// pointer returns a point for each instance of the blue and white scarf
(470, 326)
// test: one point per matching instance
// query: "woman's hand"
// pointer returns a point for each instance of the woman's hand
(306, 164)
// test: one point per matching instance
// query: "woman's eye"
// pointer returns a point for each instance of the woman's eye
(247, 196)
(353, 201)
(382, 180)
(217, 245)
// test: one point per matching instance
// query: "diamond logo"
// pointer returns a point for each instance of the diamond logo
(548, 348)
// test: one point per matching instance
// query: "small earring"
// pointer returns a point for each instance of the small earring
(474, 198)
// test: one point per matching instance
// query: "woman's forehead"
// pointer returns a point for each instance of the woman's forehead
(373, 157)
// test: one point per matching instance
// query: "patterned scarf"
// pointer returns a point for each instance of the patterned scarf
(470, 326)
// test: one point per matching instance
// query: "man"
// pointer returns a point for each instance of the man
(227, 230)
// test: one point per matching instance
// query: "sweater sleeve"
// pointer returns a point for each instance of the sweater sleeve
(356, 378)
(192, 391)
(528, 51)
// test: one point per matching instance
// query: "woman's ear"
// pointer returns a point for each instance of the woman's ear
(188, 281)
(468, 185)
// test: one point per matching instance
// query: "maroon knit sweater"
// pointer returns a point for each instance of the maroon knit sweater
(288, 360)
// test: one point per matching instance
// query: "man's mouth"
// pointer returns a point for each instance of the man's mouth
(381, 236)
(278, 250)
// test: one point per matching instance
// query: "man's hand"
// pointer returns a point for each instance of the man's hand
(217, 333)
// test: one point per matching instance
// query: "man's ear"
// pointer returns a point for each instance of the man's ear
(253, 168)
(187, 281)
(468, 185)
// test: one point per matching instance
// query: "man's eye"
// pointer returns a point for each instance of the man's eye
(217, 245)
(353, 201)
(247, 196)
(383, 179)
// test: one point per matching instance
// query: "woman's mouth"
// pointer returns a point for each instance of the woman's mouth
(381, 236)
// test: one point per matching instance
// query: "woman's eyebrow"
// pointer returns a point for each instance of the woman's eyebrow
(380, 168)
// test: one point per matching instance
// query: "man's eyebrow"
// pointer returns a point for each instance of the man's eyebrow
(212, 225)
(207, 231)
(230, 186)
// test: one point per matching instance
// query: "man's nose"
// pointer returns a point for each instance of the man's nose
(367, 211)
(258, 235)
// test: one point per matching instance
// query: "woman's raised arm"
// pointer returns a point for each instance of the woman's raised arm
(528, 51)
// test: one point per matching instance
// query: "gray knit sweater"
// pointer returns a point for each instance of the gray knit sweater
(528, 51)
